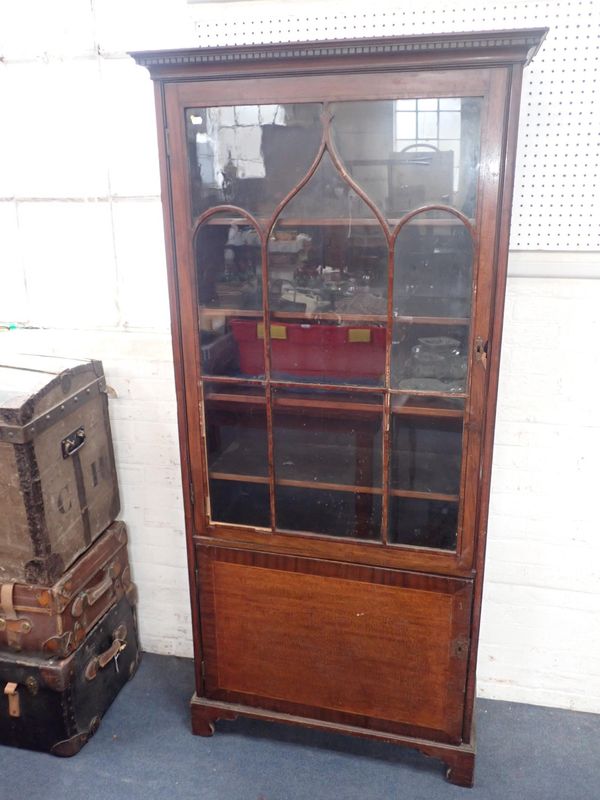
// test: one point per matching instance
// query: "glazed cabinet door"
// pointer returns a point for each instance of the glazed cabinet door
(358, 646)
(335, 262)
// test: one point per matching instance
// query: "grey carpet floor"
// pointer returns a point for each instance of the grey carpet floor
(144, 751)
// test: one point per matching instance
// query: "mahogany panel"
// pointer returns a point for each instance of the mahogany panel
(301, 636)
(330, 88)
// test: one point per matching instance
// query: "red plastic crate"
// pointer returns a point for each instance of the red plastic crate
(313, 351)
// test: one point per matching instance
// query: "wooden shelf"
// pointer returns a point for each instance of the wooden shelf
(408, 493)
(432, 394)
(233, 397)
(337, 407)
(230, 476)
(334, 487)
(299, 484)
(300, 403)
(207, 311)
(334, 316)
(428, 411)
(328, 487)
(448, 321)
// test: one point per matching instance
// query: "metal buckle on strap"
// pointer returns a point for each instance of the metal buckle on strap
(6, 601)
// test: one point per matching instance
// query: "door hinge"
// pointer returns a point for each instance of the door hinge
(192, 494)
(481, 349)
(168, 142)
(202, 669)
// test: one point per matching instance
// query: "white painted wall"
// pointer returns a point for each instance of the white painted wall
(82, 261)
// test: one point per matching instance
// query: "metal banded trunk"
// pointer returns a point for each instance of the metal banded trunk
(58, 484)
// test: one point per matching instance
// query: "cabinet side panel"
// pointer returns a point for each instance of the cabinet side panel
(509, 113)
(366, 644)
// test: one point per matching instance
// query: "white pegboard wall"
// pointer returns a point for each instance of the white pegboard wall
(557, 178)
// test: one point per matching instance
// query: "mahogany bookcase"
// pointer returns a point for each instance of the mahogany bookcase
(337, 218)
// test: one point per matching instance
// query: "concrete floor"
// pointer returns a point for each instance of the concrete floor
(144, 751)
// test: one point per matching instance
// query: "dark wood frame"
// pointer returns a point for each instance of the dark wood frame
(486, 64)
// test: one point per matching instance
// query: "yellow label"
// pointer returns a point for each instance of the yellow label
(359, 335)
(277, 331)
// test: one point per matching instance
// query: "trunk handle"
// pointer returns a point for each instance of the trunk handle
(73, 442)
(90, 597)
(103, 659)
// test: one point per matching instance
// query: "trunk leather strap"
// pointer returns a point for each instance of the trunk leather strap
(6, 601)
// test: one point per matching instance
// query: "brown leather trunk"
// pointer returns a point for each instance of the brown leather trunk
(52, 622)
(58, 485)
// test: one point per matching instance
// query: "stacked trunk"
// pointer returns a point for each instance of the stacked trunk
(68, 636)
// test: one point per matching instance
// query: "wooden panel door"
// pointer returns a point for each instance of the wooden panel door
(362, 646)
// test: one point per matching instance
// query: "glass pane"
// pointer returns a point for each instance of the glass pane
(236, 435)
(332, 513)
(328, 463)
(250, 156)
(236, 449)
(432, 271)
(327, 268)
(430, 358)
(449, 125)
(371, 137)
(229, 280)
(239, 503)
(450, 103)
(432, 303)
(324, 438)
(426, 454)
(406, 126)
(423, 523)
(427, 125)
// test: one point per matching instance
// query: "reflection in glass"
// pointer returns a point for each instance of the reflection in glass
(236, 436)
(429, 358)
(407, 153)
(250, 156)
(433, 258)
(318, 443)
(327, 458)
(433, 264)
(236, 450)
(426, 454)
(229, 280)
(327, 265)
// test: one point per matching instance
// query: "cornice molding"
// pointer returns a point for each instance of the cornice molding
(527, 41)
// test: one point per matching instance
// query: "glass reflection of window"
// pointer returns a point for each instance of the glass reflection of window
(229, 143)
(430, 123)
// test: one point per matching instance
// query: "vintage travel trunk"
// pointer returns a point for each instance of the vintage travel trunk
(52, 622)
(56, 705)
(58, 485)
